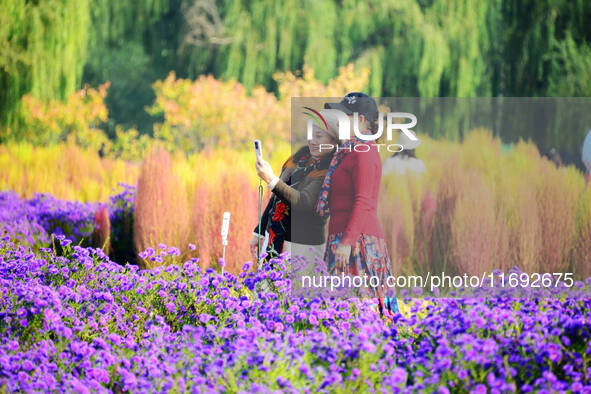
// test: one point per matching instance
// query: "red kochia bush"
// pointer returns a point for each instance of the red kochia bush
(102, 229)
(161, 211)
(556, 197)
(424, 232)
(477, 230)
(451, 182)
(232, 192)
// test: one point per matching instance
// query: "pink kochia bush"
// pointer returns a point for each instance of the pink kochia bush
(102, 229)
(481, 207)
(477, 231)
(79, 322)
(161, 206)
(177, 207)
(233, 194)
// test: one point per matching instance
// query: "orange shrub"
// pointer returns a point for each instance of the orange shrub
(516, 193)
(102, 229)
(161, 209)
(423, 253)
(397, 211)
(451, 182)
(392, 221)
(556, 197)
(477, 230)
(227, 191)
(525, 231)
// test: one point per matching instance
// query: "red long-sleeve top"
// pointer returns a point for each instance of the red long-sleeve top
(353, 199)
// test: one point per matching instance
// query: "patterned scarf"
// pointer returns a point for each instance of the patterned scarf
(322, 207)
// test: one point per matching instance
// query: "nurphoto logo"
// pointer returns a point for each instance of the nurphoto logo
(344, 121)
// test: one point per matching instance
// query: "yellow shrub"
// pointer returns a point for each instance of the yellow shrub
(399, 210)
(73, 120)
(557, 192)
(582, 252)
(208, 113)
(65, 171)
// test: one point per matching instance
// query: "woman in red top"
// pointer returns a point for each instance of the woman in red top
(355, 243)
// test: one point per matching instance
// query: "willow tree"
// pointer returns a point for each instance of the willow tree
(131, 44)
(43, 51)
(45, 45)
(426, 48)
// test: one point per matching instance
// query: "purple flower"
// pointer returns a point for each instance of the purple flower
(313, 320)
(204, 318)
(462, 374)
(27, 365)
(182, 329)
(115, 339)
(399, 375)
(479, 389)
(172, 251)
(305, 370)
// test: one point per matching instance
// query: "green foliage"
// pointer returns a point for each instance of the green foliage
(129, 46)
(572, 71)
(43, 50)
(129, 70)
(426, 48)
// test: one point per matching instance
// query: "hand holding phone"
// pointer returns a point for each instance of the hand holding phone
(264, 169)
(258, 149)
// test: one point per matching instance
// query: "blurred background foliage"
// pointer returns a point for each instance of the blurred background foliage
(477, 208)
(52, 49)
(166, 95)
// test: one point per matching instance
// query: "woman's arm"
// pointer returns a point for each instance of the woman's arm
(303, 199)
(299, 199)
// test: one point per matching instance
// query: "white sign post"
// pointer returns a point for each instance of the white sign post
(225, 228)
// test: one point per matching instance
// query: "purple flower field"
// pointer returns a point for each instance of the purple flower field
(73, 320)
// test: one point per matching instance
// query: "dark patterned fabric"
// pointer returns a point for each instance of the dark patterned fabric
(302, 164)
(369, 255)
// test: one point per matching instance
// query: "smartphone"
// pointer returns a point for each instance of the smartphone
(258, 149)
